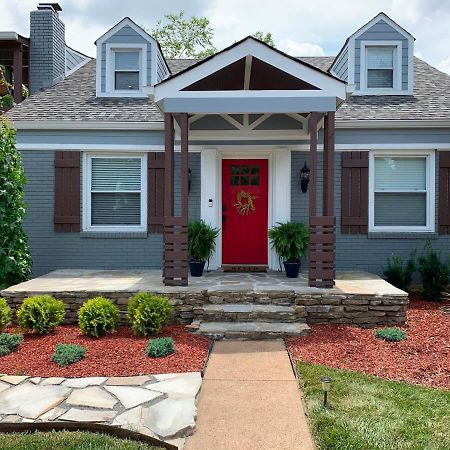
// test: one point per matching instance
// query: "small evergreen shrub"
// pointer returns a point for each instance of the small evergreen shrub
(399, 274)
(148, 313)
(66, 354)
(98, 316)
(5, 314)
(9, 343)
(157, 348)
(434, 273)
(391, 334)
(41, 313)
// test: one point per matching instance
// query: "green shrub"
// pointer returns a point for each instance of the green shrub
(9, 343)
(66, 354)
(5, 314)
(147, 313)
(98, 316)
(399, 274)
(391, 334)
(201, 240)
(15, 260)
(157, 348)
(41, 313)
(290, 240)
(434, 273)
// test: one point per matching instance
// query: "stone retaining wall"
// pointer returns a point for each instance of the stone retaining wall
(360, 310)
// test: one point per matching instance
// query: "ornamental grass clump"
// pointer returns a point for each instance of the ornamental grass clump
(391, 334)
(290, 240)
(9, 343)
(5, 314)
(66, 354)
(399, 274)
(98, 316)
(157, 348)
(41, 313)
(148, 313)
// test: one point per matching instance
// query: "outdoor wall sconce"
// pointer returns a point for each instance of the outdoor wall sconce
(189, 179)
(304, 178)
(326, 385)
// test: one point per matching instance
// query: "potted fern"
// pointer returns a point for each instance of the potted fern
(290, 241)
(201, 245)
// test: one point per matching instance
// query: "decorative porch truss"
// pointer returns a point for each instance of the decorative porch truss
(244, 91)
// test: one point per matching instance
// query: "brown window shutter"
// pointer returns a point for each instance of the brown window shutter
(155, 194)
(67, 192)
(355, 193)
(444, 193)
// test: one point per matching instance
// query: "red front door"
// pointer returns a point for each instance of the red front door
(244, 211)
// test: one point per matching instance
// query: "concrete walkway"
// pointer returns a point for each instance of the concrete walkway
(250, 400)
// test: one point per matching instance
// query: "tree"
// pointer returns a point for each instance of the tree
(265, 37)
(180, 37)
(15, 260)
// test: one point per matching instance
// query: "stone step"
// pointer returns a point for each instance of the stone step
(252, 330)
(249, 312)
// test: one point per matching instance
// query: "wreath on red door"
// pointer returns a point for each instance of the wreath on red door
(244, 203)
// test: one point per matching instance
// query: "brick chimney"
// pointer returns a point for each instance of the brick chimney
(47, 47)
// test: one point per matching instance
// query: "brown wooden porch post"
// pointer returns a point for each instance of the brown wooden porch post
(328, 164)
(313, 164)
(169, 163)
(18, 75)
(184, 125)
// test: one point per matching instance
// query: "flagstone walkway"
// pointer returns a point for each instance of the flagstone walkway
(162, 406)
(250, 400)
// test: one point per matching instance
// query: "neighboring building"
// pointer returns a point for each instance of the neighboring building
(43, 59)
(98, 154)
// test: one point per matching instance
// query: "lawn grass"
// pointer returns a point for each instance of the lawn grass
(64, 440)
(369, 413)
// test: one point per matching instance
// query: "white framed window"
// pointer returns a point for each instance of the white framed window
(401, 191)
(114, 192)
(126, 70)
(381, 67)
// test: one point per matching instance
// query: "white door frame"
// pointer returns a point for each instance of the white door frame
(279, 189)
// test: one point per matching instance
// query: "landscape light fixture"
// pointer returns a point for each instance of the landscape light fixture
(326, 385)
(304, 178)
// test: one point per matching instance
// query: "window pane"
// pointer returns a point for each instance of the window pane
(399, 209)
(125, 81)
(127, 60)
(115, 209)
(380, 57)
(380, 78)
(116, 174)
(394, 174)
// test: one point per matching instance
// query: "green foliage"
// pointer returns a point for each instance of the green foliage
(9, 343)
(391, 334)
(399, 274)
(7, 101)
(5, 314)
(98, 316)
(41, 313)
(201, 240)
(15, 260)
(434, 273)
(66, 354)
(157, 348)
(25, 92)
(267, 38)
(290, 240)
(181, 37)
(148, 313)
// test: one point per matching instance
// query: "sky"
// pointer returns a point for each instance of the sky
(299, 27)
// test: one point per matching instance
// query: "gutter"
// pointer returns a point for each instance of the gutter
(85, 125)
(377, 124)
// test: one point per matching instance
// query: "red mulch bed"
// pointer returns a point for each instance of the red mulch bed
(117, 354)
(423, 358)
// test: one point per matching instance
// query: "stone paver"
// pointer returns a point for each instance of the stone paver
(181, 386)
(52, 380)
(13, 379)
(4, 386)
(128, 381)
(133, 396)
(84, 415)
(84, 382)
(53, 414)
(93, 397)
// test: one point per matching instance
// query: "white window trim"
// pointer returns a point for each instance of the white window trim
(87, 188)
(430, 188)
(110, 69)
(397, 76)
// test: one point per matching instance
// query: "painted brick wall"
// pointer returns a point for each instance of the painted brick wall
(47, 49)
(52, 250)
(360, 252)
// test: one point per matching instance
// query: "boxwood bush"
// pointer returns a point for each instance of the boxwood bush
(157, 348)
(41, 313)
(5, 314)
(66, 354)
(98, 316)
(148, 313)
(9, 343)
(391, 334)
